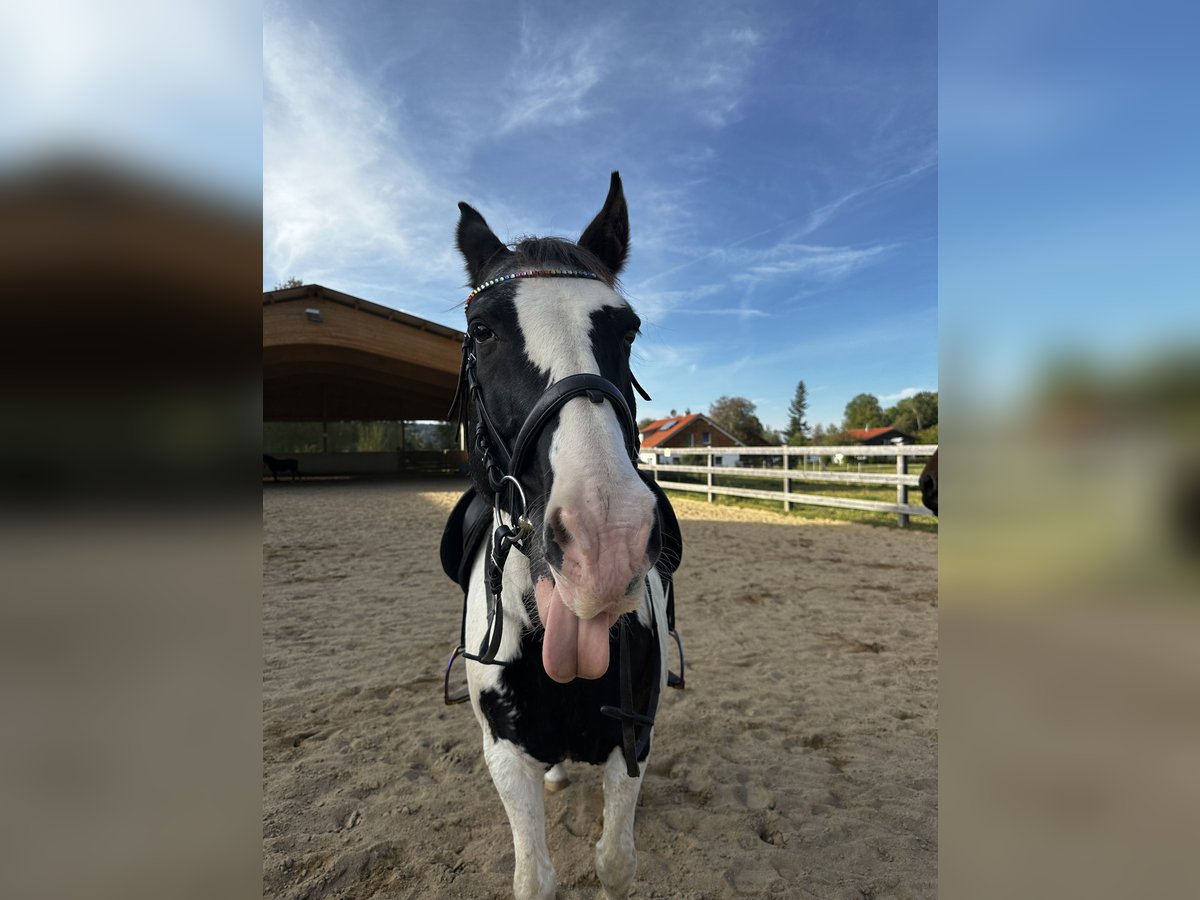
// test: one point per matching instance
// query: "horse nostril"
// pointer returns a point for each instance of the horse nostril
(556, 538)
(556, 529)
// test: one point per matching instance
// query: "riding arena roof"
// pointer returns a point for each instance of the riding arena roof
(330, 356)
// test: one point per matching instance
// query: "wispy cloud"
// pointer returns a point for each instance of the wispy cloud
(716, 68)
(806, 260)
(822, 214)
(550, 79)
(804, 225)
(739, 312)
(654, 306)
(340, 192)
(901, 394)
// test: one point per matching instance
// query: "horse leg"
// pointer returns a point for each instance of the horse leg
(518, 781)
(616, 856)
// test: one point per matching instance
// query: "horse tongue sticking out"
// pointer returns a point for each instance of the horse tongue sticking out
(572, 647)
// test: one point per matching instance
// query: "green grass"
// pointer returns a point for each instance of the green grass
(826, 513)
(880, 493)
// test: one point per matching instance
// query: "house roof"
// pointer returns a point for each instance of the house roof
(867, 434)
(657, 433)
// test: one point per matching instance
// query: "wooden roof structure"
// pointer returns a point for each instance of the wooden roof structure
(329, 356)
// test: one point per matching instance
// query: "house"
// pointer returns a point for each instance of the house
(664, 439)
(873, 437)
(879, 436)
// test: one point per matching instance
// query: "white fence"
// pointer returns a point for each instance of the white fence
(805, 464)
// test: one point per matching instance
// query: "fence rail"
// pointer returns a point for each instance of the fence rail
(789, 464)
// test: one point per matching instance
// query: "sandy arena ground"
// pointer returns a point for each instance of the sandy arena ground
(801, 760)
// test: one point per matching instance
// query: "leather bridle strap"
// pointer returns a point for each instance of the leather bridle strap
(633, 745)
(596, 388)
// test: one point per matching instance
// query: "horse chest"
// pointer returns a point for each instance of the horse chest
(552, 722)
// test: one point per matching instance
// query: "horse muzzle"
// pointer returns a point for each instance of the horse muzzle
(598, 561)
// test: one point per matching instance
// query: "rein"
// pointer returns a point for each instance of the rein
(504, 466)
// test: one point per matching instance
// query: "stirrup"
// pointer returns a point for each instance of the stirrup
(673, 680)
(460, 696)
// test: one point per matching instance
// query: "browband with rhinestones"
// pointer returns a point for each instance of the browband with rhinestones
(533, 273)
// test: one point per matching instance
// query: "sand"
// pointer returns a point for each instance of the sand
(800, 761)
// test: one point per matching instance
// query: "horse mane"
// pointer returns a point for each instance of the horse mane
(553, 252)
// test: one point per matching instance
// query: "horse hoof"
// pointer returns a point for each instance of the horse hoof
(555, 780)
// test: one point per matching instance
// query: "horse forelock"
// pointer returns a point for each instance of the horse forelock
(558, 252)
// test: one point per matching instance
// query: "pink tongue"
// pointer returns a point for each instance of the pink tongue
(572, 647)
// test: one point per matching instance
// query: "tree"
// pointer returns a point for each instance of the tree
(736, 415)
(915, 413)
(863, 411)
(290, 283)
(797, 428)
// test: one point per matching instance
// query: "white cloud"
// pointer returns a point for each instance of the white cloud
(339, 191)
(550, 79)
(901, 394)
(740, 312)
(715, 66)
(926, 161)
(808, 260)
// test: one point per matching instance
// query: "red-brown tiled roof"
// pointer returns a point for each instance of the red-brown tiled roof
(865, 434)
(654, 433)
(658, 433)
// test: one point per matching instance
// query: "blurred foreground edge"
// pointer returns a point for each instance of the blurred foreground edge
(132, 330)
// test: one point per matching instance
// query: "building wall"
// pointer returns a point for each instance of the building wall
(693, 436)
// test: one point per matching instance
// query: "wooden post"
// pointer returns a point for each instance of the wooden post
(787, 483)
(709, 470)
(902, 489)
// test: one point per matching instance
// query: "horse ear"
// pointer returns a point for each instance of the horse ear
(477, 243)
(608, 235)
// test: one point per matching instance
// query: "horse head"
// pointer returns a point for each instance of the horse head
(541, 314)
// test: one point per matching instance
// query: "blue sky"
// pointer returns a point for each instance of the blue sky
(1069, 137)
(779, 159)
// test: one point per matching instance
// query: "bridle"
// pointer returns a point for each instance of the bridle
(504, 468)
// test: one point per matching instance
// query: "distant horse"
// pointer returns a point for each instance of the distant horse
(282, 465)
(928, 483)
(547, 393)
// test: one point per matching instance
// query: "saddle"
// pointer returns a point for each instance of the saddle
(470, 524)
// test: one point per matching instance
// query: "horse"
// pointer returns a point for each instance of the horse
(928, 483)
(282, 465)
(565, 641)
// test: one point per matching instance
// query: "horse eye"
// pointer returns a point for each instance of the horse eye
(481, 332)
(630, 337)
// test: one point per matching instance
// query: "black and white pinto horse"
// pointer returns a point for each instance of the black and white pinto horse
(565, 639)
